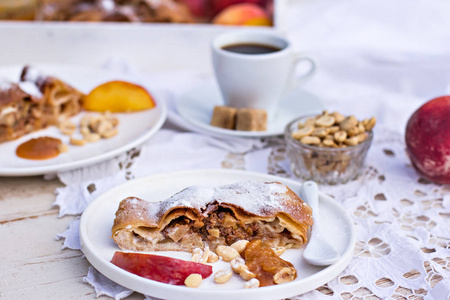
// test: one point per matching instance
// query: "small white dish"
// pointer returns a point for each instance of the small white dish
(98, 247)
(196, 107)
(134, 128)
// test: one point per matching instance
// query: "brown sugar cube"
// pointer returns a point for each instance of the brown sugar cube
(251, 119)
(224, 117)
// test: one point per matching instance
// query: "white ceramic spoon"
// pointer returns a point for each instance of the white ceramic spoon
(318, 251)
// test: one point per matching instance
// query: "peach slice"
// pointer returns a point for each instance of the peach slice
(243, 14)
(118, 96)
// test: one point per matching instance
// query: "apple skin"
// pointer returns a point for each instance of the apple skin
(428, 140)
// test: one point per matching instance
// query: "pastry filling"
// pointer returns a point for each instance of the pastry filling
(221, 227)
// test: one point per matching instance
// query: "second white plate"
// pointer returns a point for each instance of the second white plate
(98, 247)
(196, 107)
(134, 128)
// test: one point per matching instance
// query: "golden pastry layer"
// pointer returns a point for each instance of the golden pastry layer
(201, 216)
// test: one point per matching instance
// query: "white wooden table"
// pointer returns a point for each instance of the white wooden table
(32, 265)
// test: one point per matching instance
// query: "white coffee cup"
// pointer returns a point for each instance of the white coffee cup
(256, 80)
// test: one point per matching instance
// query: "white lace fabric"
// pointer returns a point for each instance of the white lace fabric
(401, 220)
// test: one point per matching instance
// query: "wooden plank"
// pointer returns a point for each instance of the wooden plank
(33, 265)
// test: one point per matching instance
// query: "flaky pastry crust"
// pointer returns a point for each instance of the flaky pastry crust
(200, 216)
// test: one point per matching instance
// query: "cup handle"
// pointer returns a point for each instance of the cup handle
(300, 79)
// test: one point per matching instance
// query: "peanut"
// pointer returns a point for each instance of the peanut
(338, 117)
(325, 121)
(62, 148)
(77, 142)
(320, 132)
(222, 276)
(286, 274)
(227, 253)
(348, 123)
(246, 274)
(252, 283)
(92, 137)
(197, 254)
(67, 127)
(310, 140)
(240, 245)
(109, 133)
(193, 280)
(212, 258)
(304, 131)
(370, 124)
(340, 136)
(237, 264)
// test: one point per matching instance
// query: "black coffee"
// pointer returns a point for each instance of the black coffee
(251, 48)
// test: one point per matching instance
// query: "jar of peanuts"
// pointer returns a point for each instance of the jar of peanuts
(328, 148)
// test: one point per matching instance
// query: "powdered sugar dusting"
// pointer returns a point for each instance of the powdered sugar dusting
(255, 197)
(33, 74)
(30, 88)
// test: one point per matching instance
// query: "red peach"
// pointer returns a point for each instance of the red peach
(428, 140)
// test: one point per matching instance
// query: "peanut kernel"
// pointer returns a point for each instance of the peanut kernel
(222, 276)
(227, 253)
(240, 245)
(252, 283)
(193, 280)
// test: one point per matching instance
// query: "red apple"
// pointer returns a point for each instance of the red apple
(428, 140)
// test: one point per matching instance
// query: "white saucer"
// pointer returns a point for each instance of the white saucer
(196, 107)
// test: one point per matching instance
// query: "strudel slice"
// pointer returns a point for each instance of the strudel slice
(34, 103)
(201, 216)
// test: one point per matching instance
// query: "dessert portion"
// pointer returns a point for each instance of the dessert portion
(206, 217)
(34, 103)
(167, 11)
(245, 119)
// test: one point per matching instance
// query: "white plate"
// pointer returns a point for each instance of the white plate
(196, 107)
(98, 246)
(134, 128)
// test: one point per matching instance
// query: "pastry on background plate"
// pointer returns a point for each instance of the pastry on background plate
(34, 103)
(200, 216)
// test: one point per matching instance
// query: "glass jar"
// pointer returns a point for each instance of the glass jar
(322, 164)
